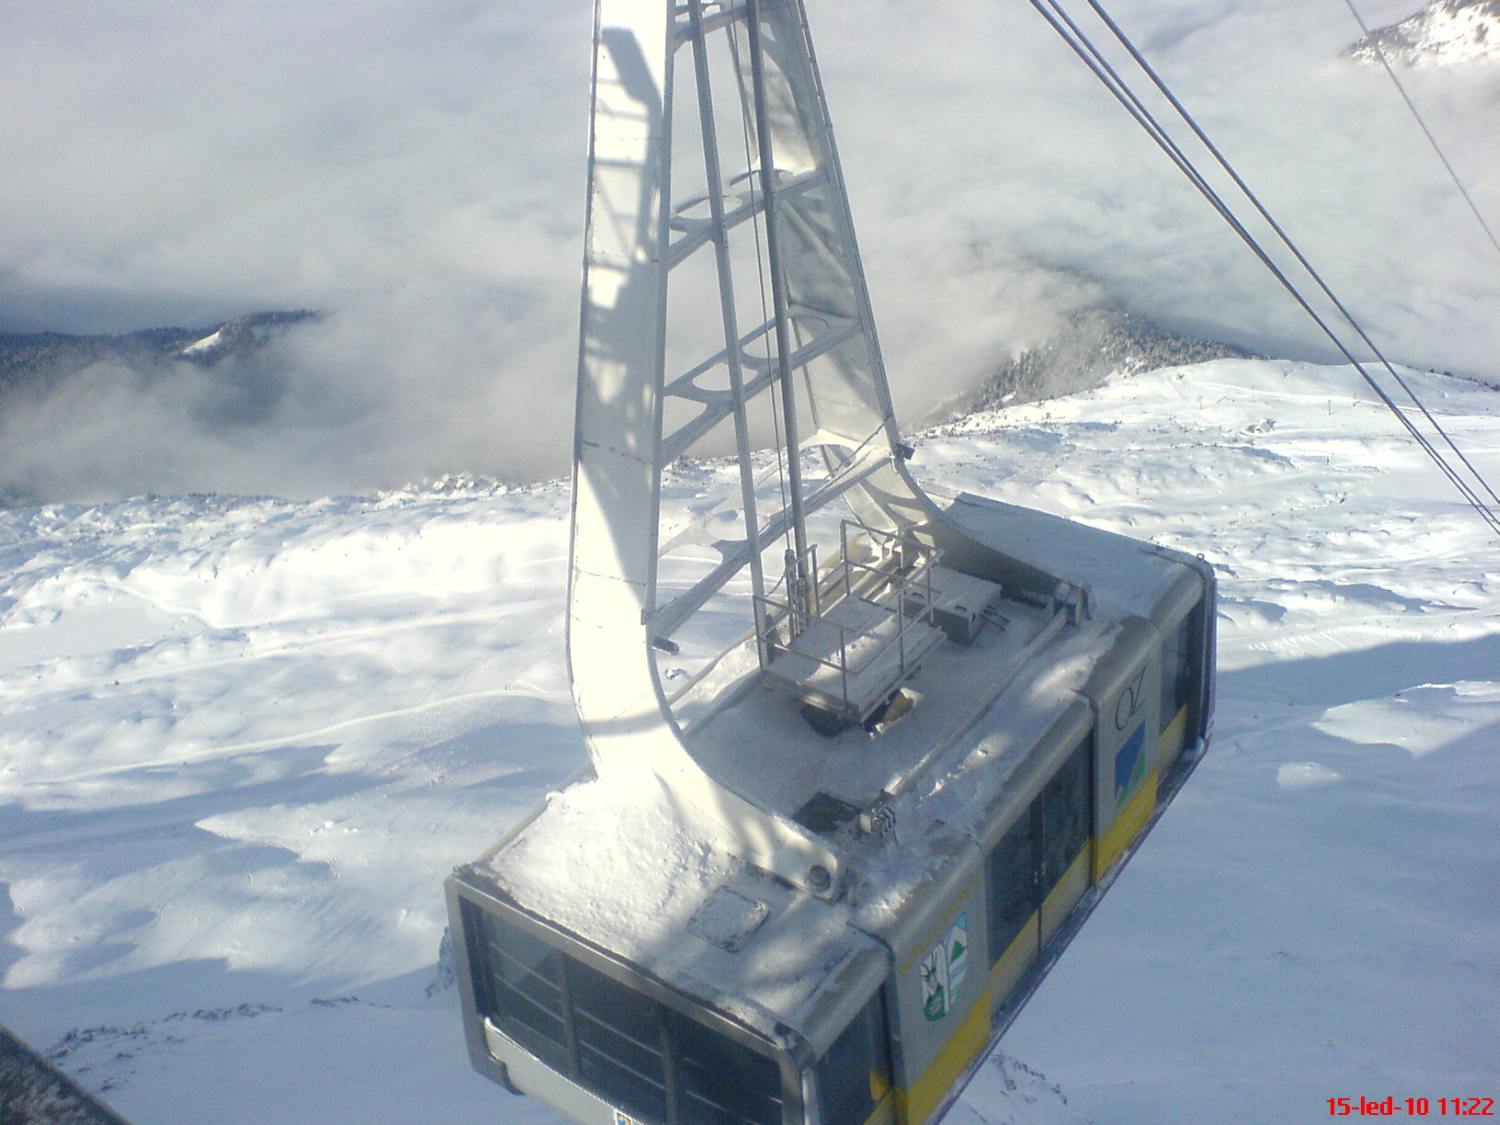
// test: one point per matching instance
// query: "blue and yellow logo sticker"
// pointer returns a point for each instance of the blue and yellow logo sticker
(1130, 762)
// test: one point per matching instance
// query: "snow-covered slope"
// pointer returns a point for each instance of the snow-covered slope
(242, 741)
(1443, 33)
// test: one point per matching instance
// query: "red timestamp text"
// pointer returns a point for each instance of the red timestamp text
(1391, 1106)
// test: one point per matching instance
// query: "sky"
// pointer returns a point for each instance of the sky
(418, 174)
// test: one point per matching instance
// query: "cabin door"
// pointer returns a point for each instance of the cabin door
(1038, 871)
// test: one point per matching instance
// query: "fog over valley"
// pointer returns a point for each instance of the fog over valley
(419, 179)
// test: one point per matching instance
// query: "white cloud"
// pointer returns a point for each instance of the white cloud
(418, 170)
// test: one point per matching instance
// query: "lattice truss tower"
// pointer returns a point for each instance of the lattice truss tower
(724, 310)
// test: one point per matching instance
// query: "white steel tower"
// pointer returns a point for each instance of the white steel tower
(776, 226)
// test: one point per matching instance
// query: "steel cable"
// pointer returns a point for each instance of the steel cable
(1422, 124)
(1078, 41)
(1286, 239)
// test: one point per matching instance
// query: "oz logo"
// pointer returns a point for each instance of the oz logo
(943, 970)
(1130, 699)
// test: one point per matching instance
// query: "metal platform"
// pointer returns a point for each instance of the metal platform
(851, 658)
(847, 640)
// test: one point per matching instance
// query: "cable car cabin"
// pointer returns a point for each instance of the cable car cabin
(623, 968)
(855, 779)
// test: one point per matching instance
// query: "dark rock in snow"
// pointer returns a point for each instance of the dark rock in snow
(445, 977)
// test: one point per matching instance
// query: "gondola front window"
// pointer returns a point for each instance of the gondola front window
(1181, 660)
(522, 989)
(722, 1082)
(621, 1042)
(1012, 885)
(855, 1075)
(1065, 817)
(626, 1047)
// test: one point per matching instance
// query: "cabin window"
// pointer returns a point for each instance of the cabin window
(626, 1047)
(855, 1074)
(1181, 655)
(621, 1042)
(1064, 818)
(1011, 875)
(722, 1082)
(1038, 849)
(523, 989)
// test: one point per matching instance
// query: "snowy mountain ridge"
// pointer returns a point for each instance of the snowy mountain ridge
(242, 335)
(37, 361)
(1444, 33)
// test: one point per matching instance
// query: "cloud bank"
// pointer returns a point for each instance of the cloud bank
(419, 171)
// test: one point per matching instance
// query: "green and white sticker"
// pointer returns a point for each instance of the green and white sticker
(943, 970)
(958, 952)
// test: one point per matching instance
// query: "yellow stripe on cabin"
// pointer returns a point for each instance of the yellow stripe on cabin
(1127, 826)
(885, 1112)
(1016, 959)
(916, 1103)
(1172, 739)
(1070, 887)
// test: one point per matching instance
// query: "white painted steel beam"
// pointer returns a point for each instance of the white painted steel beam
(790, 204)
(618, 453)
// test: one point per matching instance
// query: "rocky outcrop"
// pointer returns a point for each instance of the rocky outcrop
(1444, 33)
(1094, 344)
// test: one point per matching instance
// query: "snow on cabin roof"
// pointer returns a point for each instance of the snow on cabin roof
(1122, 575)
(618, 866)
(761, 745)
